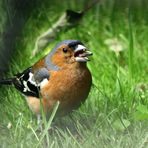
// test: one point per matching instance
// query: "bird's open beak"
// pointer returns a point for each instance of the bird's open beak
(81, 54)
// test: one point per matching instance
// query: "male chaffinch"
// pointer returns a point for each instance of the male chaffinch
(62, 76)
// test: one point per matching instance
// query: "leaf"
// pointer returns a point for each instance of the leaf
(142, 108)
(121, 124)
(141, 113)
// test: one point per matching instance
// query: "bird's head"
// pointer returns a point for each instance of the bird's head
(69, 52)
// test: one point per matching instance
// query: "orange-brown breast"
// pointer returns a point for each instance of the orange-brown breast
(70, 86)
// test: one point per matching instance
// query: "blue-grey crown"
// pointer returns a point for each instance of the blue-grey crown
(70, 43)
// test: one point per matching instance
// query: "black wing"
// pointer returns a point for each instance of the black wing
(28, 82)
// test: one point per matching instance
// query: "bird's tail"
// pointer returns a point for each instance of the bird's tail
(8, 81)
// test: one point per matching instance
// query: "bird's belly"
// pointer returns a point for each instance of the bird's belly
(71, 91)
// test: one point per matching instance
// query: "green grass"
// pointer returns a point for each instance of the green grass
(116, 111)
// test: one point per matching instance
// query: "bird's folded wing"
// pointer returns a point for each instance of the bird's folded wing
(29, 82)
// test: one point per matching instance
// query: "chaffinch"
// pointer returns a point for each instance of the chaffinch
(62, 76)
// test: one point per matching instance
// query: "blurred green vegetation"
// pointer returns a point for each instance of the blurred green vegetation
(116, 111)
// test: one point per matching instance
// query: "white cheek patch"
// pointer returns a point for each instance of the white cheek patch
(43, 83)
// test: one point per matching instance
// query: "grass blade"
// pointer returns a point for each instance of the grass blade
(49, 122)
(131, 44)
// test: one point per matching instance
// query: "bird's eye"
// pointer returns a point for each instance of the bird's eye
(65, 50)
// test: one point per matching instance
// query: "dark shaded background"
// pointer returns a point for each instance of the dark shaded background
(18, 11)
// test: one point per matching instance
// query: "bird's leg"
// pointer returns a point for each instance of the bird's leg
(38, 119)
(39, 122)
